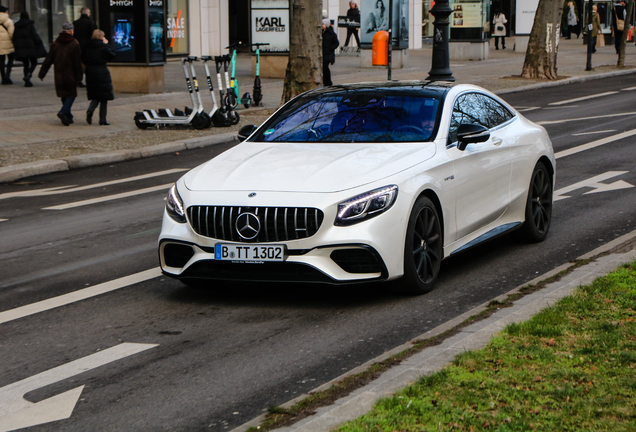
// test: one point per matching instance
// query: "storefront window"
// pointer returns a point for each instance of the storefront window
(470, 19)
(427, 18)
(178, 27)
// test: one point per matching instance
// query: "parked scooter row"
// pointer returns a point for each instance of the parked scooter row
(220, 116)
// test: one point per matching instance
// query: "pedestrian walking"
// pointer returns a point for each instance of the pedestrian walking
(99, 86)
(499, 23)
(618, 24)
(84, 27)
(573, 21)
(65, 56)
(329, 45)
(28, 46)
(6, 45)
(596, 27)
(353, 14)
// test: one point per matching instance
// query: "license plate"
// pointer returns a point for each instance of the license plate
(253, 253)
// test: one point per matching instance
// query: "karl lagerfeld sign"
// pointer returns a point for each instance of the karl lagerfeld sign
(271, 26)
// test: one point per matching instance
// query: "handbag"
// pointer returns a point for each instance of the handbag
(500, 28)
(620, 24)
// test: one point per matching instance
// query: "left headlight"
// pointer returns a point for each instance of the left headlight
(366, 205)
(174, 205)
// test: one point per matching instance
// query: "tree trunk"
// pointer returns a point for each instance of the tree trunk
(304, 70)
(621, 52)
(541, 55)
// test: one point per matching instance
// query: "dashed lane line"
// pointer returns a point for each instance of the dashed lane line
(79, 295)
(551, 122)
(594, 144)
(582, 98)
(109, 197)
(594, 132)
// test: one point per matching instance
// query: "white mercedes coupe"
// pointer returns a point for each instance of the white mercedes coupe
(360, 183)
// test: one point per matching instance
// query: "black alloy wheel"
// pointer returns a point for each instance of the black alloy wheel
(538, 207)
(422, 249)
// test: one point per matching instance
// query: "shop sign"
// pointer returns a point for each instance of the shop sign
(526, 10)
(271, 26)
(156, 3)
(176, 28)
(466, 15)
(121, 3)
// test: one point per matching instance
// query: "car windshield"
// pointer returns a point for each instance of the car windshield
(351, 117)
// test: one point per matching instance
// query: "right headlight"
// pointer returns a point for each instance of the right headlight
(174, 205)
(366, 205)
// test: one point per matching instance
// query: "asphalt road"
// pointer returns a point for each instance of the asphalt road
(211, 360)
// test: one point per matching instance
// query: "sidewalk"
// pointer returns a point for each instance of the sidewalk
(32, 134)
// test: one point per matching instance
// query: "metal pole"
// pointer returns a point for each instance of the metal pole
(588, 66)
(390, 39)
(440, 70)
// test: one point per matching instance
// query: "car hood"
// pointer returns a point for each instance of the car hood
(302, 167)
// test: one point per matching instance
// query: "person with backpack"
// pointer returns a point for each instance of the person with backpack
(28, 46)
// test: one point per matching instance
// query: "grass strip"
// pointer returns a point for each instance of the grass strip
(278, 417)
(569, 368)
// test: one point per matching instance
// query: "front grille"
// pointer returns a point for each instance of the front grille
(276, 223)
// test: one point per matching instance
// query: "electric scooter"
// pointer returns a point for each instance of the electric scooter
(218, 115)
(257, 94)
(233, 116)
(233, 89)
(197, 117)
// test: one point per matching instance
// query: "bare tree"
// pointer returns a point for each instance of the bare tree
(541, 55)
(621, 53)
(304, 70)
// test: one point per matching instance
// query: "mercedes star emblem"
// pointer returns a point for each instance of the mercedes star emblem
(248, 225)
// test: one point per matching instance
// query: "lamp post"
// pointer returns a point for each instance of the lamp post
(440, 70)
(590, 48)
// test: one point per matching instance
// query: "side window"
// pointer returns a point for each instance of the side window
(475, 108)
(468, 109)
(497, 113)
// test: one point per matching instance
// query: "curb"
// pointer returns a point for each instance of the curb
(12, 173)
(472, 337)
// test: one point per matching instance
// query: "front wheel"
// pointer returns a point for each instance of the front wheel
(422, 249)
(139, 124)
(234, 117)
(538, 211)
(201, 121)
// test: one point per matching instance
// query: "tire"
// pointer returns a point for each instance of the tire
(538, 213)
(201, 121)
(422, 249)
(234, 117)
(231, 99)
(220, 120)
(139, 124)
(247, 100)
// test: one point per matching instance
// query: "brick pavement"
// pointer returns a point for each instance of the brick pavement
(29, 126)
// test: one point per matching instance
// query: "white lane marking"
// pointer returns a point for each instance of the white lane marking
(3, 220)
(549, 122)
(594, 144)
(595, 184)
(75, 296)
(528, 109)
(109, 197)
(71, 188)
(628, 89)
(17, 413)
(583, 98)
(595, 132)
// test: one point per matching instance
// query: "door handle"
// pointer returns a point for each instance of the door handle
(497, 141)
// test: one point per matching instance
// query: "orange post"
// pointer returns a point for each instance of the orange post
(380, 49)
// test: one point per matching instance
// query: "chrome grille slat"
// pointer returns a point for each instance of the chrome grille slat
(276, 223)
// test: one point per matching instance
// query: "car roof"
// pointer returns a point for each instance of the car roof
(423, 88)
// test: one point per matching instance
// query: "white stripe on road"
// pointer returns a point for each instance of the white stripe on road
(628, 89)
(68, 189)
(595, 132)
(594, 144)
(109, 197)
(3, 220)
(583, 98)
(76, 296)
(549, 122)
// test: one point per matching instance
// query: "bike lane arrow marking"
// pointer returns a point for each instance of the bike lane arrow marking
(17, 413)
(595, 184)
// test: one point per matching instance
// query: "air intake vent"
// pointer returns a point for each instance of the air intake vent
(270, 224)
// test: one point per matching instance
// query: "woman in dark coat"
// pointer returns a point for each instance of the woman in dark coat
(28, 46)
(99, 86)
(329, 45)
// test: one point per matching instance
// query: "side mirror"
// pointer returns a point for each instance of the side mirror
(245, 132)
(471, 133)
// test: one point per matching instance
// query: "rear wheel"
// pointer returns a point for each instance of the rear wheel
(138, 122)
(538, 207)
(201, 121)
(422, 249)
